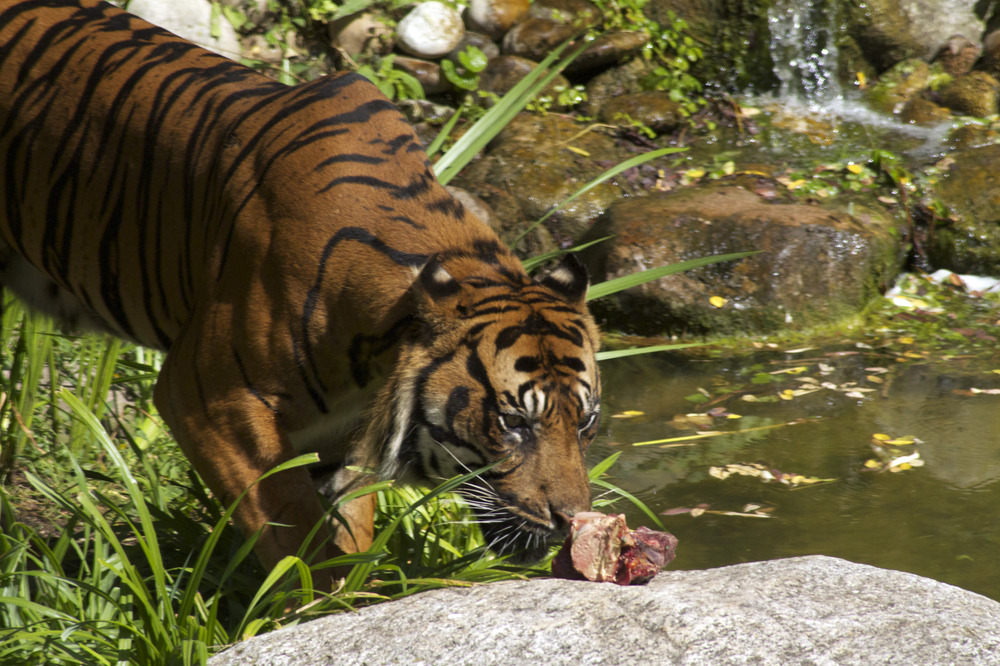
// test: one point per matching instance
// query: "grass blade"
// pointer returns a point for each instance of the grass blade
(609, 287)
(497, 118)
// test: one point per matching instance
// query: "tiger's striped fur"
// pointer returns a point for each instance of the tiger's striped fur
(293, 253)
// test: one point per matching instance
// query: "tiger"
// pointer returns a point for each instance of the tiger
(315, 289)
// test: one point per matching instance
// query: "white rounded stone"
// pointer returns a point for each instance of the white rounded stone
(431, 30)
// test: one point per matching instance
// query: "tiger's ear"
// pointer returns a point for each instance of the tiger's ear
(569, 279)
(435, 292)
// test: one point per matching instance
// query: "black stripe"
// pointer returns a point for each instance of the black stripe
(302, 343)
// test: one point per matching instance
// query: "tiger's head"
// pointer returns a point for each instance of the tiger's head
(501, 370)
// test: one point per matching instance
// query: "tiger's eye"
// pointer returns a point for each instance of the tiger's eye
(513, 422)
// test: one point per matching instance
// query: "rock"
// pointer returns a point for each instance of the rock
(495, 17)
(888, 31)
(969, 240)
(899, 85)
(816, 264)
(655, 110)
(920, 111)
(535, 38)
(481, 42)
(612, 83)
(974, 94)
(366, 32)
(735, 39)
(958, 55)
(530, 168)
(804, 610)
(192, 20)
(503, 73)
(430, 30)
(609, 49)
(991, 53)
(425, 71)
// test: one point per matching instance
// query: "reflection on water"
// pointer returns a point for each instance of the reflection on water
(939, 520)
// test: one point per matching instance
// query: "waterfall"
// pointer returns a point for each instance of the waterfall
(804, 51)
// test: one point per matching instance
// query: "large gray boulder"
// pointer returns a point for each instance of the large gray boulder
(806, 610)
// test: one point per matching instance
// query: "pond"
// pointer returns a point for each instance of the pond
(810, 417)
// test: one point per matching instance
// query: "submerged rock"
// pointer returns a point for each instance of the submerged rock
(805, 610)
(815, 264)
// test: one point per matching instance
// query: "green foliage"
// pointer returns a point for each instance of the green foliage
(394, 83)
(500, 114)
(471, 63)
(671, 52)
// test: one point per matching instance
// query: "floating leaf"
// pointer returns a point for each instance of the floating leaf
(797, 370)
(764, 474)
(628, 414)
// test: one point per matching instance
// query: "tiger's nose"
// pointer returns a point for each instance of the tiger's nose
(561, 520)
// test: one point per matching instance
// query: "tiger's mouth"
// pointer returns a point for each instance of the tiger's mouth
(511, 532)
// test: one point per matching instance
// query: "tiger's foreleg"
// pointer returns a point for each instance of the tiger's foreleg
(353, 521)
(232, 438)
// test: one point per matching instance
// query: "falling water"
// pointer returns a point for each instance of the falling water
(804, 52)
(804, 57)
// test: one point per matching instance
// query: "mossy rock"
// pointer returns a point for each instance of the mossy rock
(816, 265)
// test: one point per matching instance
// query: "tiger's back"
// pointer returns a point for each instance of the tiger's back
(293, 253)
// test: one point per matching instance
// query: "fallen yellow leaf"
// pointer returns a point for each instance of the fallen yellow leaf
(717, 301)
(628, 414)
(855, 168)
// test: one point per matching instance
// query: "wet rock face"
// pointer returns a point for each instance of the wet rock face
(816, 265)
(892, 30)
(973, 94)
(969, 241)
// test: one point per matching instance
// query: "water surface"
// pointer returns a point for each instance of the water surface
(937, 520)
